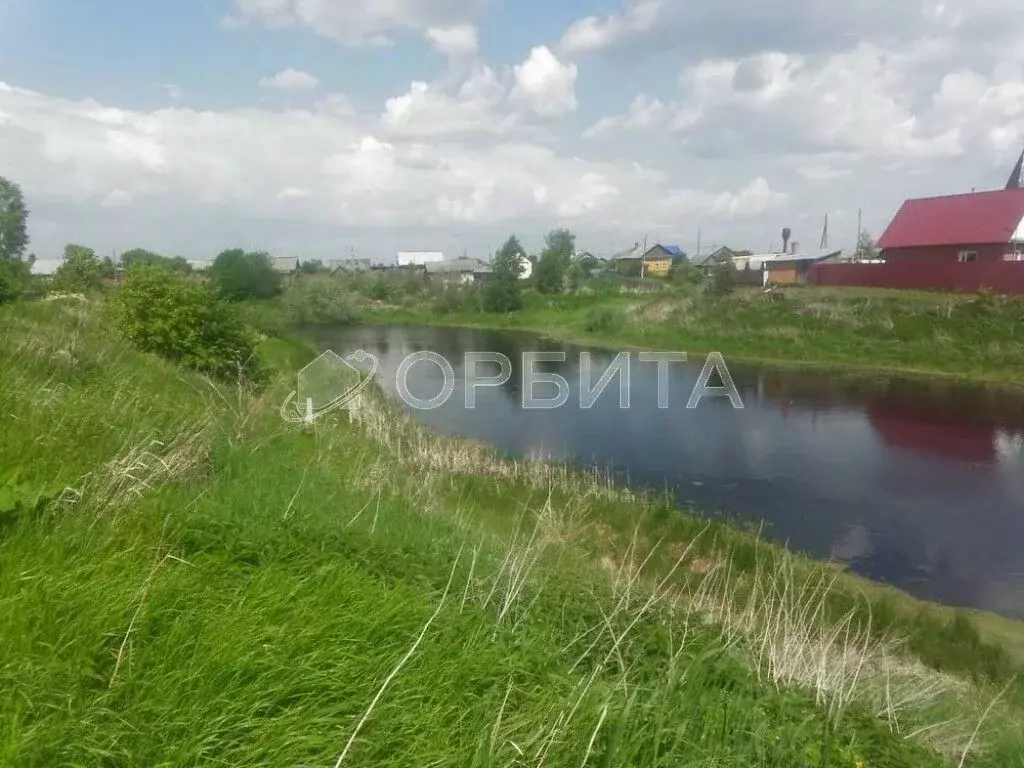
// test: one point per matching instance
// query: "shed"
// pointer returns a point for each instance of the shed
(794, 268)
(461, 271)
(717, 256)
(285, 265)
(980, 226)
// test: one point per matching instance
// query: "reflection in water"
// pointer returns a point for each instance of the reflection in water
(914, 483)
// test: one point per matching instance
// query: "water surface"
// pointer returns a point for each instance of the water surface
(909, 482)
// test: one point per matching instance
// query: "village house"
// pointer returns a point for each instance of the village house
(350, 266)
(979, 226)
(418, 258)
(656, 261)
(461, 271)
(718, 256)
(286, 266)
(795, 268)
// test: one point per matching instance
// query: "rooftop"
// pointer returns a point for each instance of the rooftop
(285, 264)
(461, 266)
(977, 218)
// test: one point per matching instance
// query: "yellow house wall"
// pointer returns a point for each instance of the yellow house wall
(657, 267)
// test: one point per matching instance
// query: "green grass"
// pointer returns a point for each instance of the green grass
(964, 336)
(217, 587)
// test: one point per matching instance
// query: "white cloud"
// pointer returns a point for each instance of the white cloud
(546, 85)
(320, 166)
(174, 92)
(594, 33)
(456, 41)
(428, 110)
(821, 172)
(354, 23)
(737, 29)
(293, 193)
(860, 101)
(290, 80)
(644, 112)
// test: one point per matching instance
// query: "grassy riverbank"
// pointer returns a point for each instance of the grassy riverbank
(208, 585)
(964, 336)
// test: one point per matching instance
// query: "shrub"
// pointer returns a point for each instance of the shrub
(81, 271)
(140, 255)
(165, 313)
(602, 319)
(723, 280)
(685, 273)
(379, 289)
(319, 301)
(239, 275)
(14, 276)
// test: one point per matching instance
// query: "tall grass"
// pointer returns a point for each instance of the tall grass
(223, 588)
(977, 337)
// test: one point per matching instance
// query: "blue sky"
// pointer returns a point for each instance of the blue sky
(319, 126)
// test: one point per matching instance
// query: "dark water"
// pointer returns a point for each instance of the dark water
(909, 482)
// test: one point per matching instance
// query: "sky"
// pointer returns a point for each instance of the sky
(322, 128)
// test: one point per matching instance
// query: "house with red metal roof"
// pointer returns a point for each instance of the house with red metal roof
(980, 226)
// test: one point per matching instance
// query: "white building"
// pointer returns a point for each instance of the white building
(525, 268)
(419, 258)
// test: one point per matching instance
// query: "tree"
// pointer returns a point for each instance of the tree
(311, 267)
(81, 271)
(13, 221)
(866, 247)
(684, 272)
(239, 275)
(575, 276)
(14, 275)
(136, 256)
(588, 264)
(723, 280)
(504, 293)
(554, 261)
(161, 311)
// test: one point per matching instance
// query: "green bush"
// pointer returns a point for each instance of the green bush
(602, 319)
(238, 275)
(163, 312)
(82, 270)
(319, 301)
(14, 276)
(379, 289)
(447, 302)
(135, 256)
(684, 272)
(722, 282)
(504, 292)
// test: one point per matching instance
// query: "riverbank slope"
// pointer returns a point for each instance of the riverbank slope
(185, 578)
(971, 337)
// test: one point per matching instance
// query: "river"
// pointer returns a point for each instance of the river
(911, 482)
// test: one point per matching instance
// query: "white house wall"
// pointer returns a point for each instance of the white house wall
(1018, 236)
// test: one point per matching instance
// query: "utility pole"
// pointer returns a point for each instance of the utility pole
(824, 234)
(698, 242)
(856, 251)
(643, 258)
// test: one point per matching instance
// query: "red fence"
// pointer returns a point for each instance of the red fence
(996, 276)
